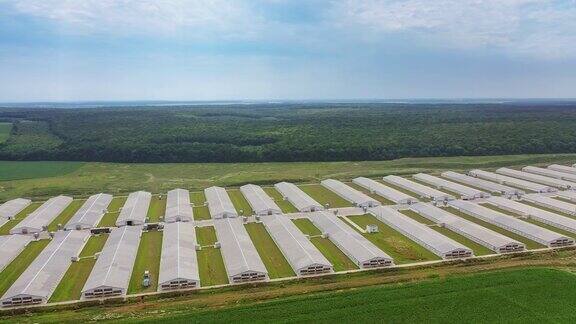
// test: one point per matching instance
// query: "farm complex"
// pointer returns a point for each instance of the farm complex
(68, 249)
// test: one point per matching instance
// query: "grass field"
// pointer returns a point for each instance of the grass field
(242, 206)
(148, 258)
(109, 219)
(9, 275)
(210, 262)
(66, 215)
(5, 229)
(324, 196)
(70, 287)
(379, 198)
(157, 208)
(5, 129)
(19, 170)
(285, 205)
(339, 260)
(270, 254)
(398, 246)
(201, 212)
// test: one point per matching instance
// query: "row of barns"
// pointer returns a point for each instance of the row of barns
(469, 193)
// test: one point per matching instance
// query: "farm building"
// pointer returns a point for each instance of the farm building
(550, 173)
(135, 209)
(562, 168)
(91, 212)
(219, 203)
(10, 248)
(465, 192)
(431, 240)
(538, 214)
(11, 208)
(561, 184)
(179, 263)
(241, 260)
(302, 255)
(479, 234)
(384, 191)
(483, 184)
(39, 219)
(510, 181)
(419, 189)
(113, 269)
(547, 202)
(352, 195)
(363, 252)
(37, 283)
(260, 202)
(568, 194)
(178, 207)
(301, 200)
(509, 223)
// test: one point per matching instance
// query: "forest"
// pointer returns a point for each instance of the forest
(286, 132)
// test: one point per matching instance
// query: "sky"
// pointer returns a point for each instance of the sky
(79, 50)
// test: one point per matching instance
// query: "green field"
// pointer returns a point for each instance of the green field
(240, 203)
(157, 208)
(66, 215)
(324, 196)
(285, 205)
(210, 262)
(398, 246)
(109, 219)
(148, 258)
(70, 287)
(5, 129)
(339, 260)
(9, 275)
(5, 229)
(19, 170)
(201, 212)
(270, 254)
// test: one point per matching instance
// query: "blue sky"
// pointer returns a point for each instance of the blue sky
(70, 50)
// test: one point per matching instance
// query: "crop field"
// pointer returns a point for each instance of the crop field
(285, 205)
(109, 219)
(66, 215)
(157, 208)
(210, 262)
(19, 170)
(148, 258)
(324, 196)
(240, 203)
(5, 229)
(274, 260)
(379, 198)
(339, 260)
(70, 288)
(9, 275)
(398, 246)
(5, 129)
(201, 212)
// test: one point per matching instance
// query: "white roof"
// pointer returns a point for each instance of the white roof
(544, 216)
(350, 194)
(260, 202)
(12, 207)
(440, 183)
(43, 216)
(418, 232)
(91, 212)
(354, 245)
(10, 248)
(550, 173)
(568, 194)
(562, 184)
(42, 276)
(178, 206)
(511, 181)
(301, 200)
(384, 191)
(419, 189)
(562, 168)
(114, 265)
(297, 249)
(179, 260)
(552, 203)
(219, 203)
(477, 233)
(528, 230)
(135, 209)
(483, 184)
(238, 251)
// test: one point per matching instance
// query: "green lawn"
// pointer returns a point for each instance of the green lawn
(285, 205)
(66, 215)
(5, 129)
(339, 260)
(9, 275)
(210, 262)
(379, 198)
(324, 196)
(270, 254)
(398, 246)
(110, 217)
(5, 229)
(157, 208)
(148, 258)
(201, 212)
(70, 287)
(19, 170)
(240, 203)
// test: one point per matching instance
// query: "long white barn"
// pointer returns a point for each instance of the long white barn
(260, 202)
(10, 247)
(562, 168)
(39, 219)
(551, 203)
(178, 207)
(421, 190)
(561, 184)
(567, 194)
(465, 192)
(301, 200)
(91, 212)
(384, 191)
(442, 246)
(219, 203)
(179, 262)
(550, 173)
(135, 209)
(11, 208)
(510, 181)
(483, 184)
(350, 194)
(113, 269)
(479, 234)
